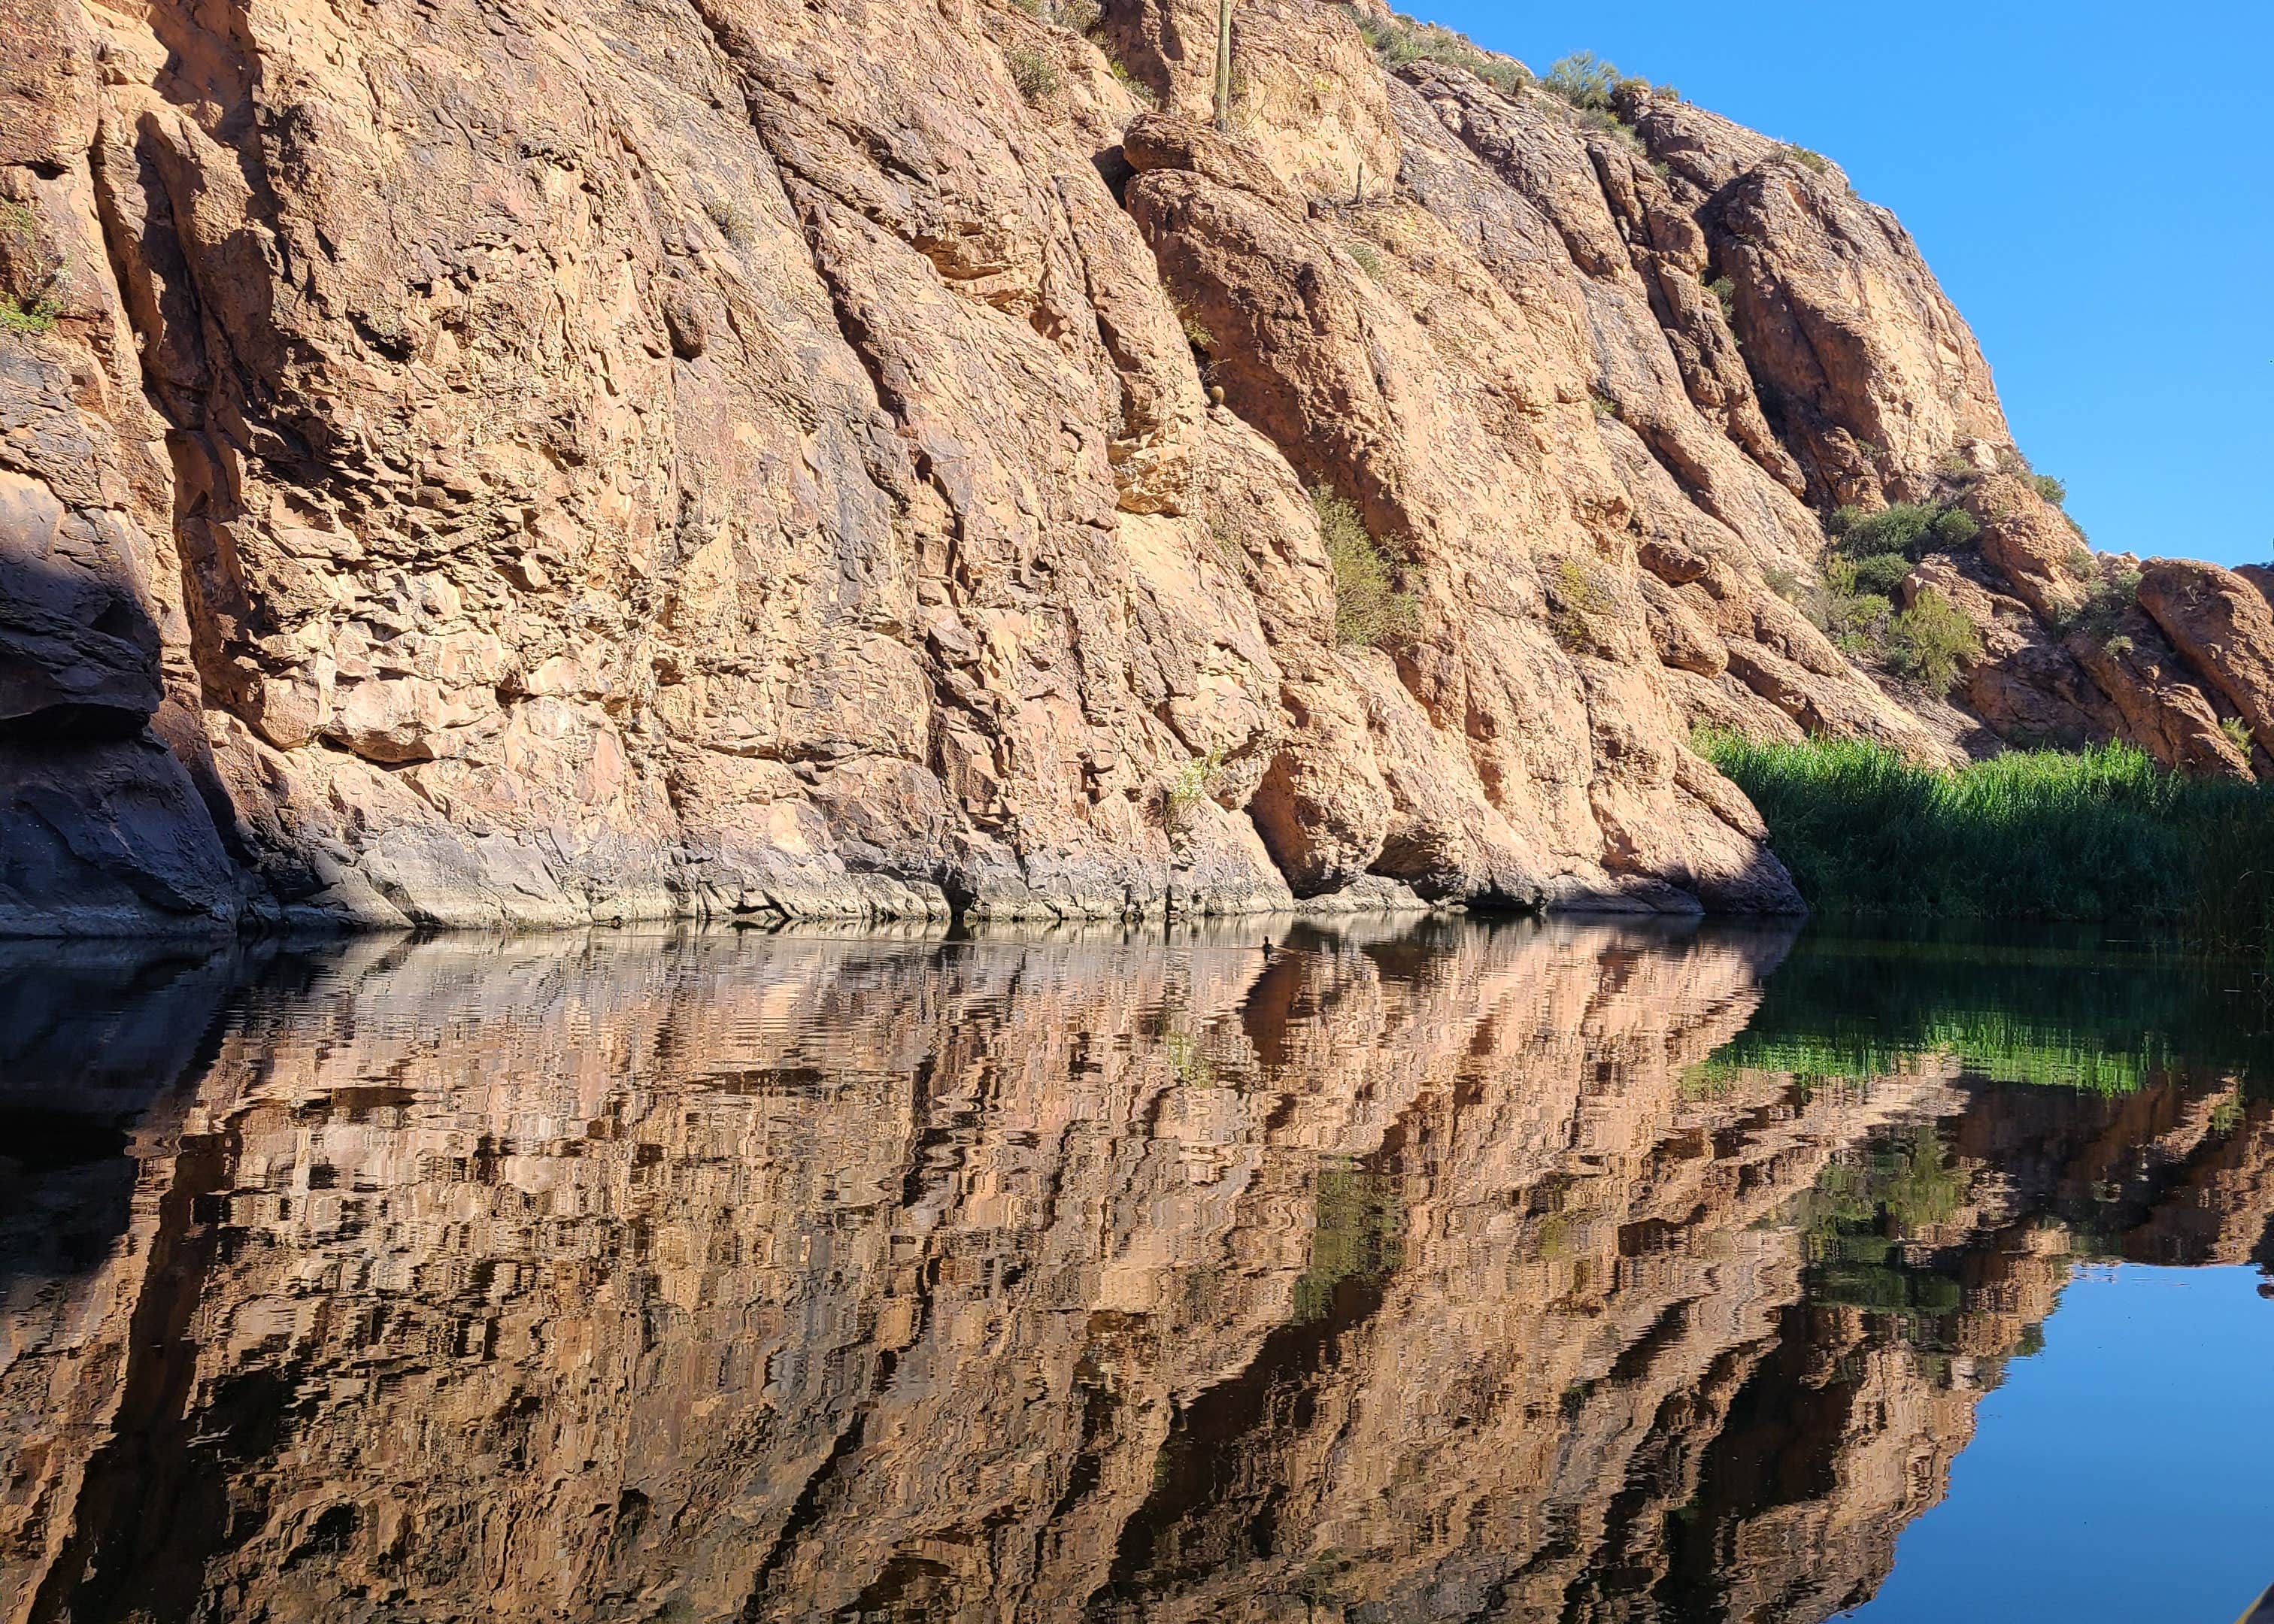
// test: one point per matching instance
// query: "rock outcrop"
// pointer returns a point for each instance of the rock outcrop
(493, 466)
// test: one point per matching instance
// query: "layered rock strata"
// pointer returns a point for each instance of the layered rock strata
(487, 464)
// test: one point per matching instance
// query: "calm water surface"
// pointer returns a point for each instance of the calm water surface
(1435, 1270)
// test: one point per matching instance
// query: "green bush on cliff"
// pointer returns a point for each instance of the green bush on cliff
(1606, 123)
(2104, 605)
(35, 315)
(1035, 75)
(1882, 572)
(32, 309)
(1931, 640)
(1400, 39)
(1871, 554)
(1814, 161)
(1911, 528)
(1584, 79)
(1582, 598)
(1139, 91)
(1180, 802)
(1850, 608)
(2103, 834)
(1369, 610)
(1589, 84)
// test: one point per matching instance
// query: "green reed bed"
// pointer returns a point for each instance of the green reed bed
(2072, 1006)
(2101, 835)
(1986, 1042)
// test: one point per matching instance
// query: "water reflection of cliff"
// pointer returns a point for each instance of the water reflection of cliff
(1415, 1274)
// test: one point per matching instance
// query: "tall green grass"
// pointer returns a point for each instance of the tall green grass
(2102, 835)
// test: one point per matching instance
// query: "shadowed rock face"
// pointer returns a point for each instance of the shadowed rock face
(485, 465)
(797, 1277)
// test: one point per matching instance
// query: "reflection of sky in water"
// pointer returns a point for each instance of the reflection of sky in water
(1382, 1271)
(2119, 1475)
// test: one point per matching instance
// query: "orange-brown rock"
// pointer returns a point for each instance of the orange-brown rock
(2026, 539)
(2260, 576)
(526, 469)
(2164, 712)
(2222, 623)
(1874, 378)
(749, 1276)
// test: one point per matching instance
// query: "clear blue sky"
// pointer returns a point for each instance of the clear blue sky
(2089, 181)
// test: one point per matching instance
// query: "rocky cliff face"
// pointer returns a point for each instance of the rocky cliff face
(475, 464)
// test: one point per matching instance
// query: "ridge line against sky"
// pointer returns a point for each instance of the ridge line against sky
(2089, 182)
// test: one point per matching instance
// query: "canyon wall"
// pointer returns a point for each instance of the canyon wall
(524, 464)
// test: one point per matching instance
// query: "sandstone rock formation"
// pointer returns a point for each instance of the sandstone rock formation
(487, 464)
(1413, 1268)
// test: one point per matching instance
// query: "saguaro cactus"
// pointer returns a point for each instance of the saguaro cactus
(1223, 64)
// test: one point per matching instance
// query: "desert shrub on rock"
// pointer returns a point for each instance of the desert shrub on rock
(1882, 572)
(37, 314)
(1814, 161)
(1584, 79)
(1400, 39)
(1369, 608)
(1912, 530)
(2106, 600)
(1930, 640)
(1581, 593)
(1035, 75)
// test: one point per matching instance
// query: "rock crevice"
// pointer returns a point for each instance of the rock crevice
(750, 459)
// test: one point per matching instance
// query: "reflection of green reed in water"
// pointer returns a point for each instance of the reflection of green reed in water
(1859, 1220)
(1187, 1061)
(1359, 1236)
(1991, 1043)
(2105, 1019)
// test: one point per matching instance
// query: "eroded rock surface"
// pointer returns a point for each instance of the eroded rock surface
(531, 467)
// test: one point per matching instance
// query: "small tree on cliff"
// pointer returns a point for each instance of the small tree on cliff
(1931, 640)
(1369, 610)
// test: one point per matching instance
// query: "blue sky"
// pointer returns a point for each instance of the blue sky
(2089, 180)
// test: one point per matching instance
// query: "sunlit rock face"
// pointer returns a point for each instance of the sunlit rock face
(1427, 1270)
(479, 466)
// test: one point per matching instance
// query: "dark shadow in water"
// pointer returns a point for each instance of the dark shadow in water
(1206, 1512)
